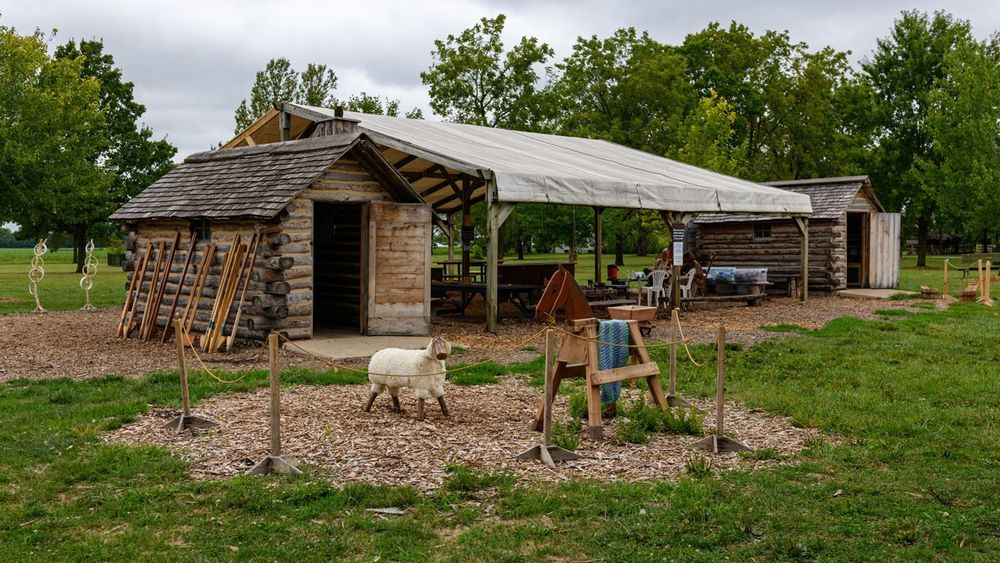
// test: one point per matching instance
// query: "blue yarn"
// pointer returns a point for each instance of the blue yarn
(612, 352)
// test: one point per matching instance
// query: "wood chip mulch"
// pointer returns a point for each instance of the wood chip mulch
(324, 427)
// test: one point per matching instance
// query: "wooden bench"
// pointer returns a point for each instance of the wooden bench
(970, 262)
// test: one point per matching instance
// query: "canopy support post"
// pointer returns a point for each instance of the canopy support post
(803, 225)
(496, 213)
(676, 221)
(450, 233)
(468, 231)
(598, 243)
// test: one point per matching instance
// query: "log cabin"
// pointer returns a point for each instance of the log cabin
(853, 242)
(345, 240)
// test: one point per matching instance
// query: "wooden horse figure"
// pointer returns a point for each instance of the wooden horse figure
(578, 355)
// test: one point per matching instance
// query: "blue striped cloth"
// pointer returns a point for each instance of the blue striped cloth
(612, 352)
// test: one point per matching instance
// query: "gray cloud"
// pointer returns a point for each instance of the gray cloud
(193, 61)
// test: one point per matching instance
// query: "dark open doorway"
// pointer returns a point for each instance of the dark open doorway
(338, 265)
(857, 249)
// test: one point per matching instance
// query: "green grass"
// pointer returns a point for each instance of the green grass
(60, 289)
(784, 327)
(915, 402)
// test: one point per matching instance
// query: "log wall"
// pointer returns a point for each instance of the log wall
(280, 296)
(733, 244)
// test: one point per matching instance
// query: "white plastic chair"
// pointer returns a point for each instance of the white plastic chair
(654, 291)
(686, 282)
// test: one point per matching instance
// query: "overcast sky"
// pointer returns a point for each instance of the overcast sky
(193, 61)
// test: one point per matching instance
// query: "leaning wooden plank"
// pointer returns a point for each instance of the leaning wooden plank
(197, 289)
(152, 286)
(180, 285)
(229, 295)
(225, 280)
(151, 327)
(130, 294)
(255, 244)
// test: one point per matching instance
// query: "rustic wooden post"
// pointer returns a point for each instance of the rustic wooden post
(945, 288)
(275, 462)
(979, 279)
(672, 399)
(718, 442)
(186, 419)
(987, 298)
(451, 236)
(803, 224)
(598, 243)
(496, 213)
(545, 451)
(284, 125)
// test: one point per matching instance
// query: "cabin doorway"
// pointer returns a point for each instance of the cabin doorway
(857, 249)
(339, 266)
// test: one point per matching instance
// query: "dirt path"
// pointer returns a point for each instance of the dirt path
(81, 344)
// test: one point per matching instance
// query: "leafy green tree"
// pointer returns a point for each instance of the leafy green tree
(130, 154)
(474, 79)
(706, 138)
(367, 103)
(964, 123)
(51, 127)
(788, 102)
(626, 88)
(279, 82)
(316, 86)
(904, 72)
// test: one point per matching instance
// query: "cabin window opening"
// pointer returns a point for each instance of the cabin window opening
(762, 231)
(202, 228)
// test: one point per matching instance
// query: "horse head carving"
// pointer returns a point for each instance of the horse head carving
(563, 294)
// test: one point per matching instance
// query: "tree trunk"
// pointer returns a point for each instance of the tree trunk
(520, 249)
(619, 250)
(79, 249)
(641, 243)
(922, 240)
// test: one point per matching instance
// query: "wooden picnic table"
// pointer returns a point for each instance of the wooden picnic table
(518, 294)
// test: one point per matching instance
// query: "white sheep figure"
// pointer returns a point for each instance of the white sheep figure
(393, 368)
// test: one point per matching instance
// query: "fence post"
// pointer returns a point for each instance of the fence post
(672, 399)
(186, 419)
(545, 451)
(945, 276)
(275, 462)
(718, 442)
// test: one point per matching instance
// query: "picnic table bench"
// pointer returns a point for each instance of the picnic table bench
(970, 262)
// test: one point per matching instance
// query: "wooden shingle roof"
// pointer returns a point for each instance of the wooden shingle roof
(250, 182)
(830, 198)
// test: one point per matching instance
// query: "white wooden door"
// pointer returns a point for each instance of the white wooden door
(883, 269)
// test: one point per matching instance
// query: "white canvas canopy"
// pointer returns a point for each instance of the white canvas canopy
(538, 168)
(453, 166)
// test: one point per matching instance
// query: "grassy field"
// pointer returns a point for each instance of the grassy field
(60, 289)
(914, 401)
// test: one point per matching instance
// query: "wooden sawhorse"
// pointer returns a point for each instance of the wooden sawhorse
(577, 358)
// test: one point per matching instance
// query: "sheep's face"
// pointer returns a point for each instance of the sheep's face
(439, 348)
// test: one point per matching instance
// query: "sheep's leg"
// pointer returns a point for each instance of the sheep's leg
(371, 400)
(395, 403)
(420, 408)
(444, 407)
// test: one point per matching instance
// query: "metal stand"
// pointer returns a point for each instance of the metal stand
(186, 419)
(89, 271)
(274, 463)
(545, 451)
(37, 273)
(672, 399)
(718, 442)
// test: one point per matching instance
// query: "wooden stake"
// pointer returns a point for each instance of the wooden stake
(130, 296)
(254, 244)
(151, 327)
(987, 298)
(945, 276)
(718, 442)
(672, 399)
(186, 419)
(979, 279)
(545, 451)
(235, 275)
(180, 285)
(194, 299)
(218, 315)
(274, 463)
(152, 286)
